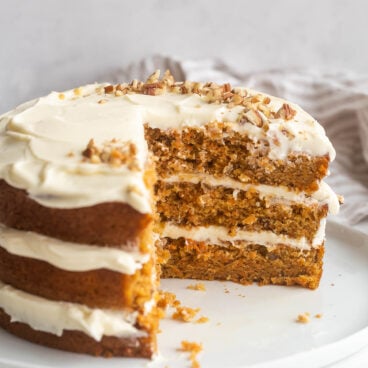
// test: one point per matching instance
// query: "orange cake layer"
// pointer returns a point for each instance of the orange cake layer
(216, 150)
(118, 224)
(245, 264)
(204, 205)
(96, 288)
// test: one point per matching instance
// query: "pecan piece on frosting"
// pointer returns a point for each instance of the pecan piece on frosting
(114, 153)
(254, 117)
(285, 112)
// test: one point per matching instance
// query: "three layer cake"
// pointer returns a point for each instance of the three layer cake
(105, 187)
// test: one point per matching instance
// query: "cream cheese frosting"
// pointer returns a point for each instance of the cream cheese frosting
(41, 141)
(219, 235)
(69, 256)
(54, 317)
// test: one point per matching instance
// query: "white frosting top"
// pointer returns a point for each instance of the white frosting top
(302, 133)
(36, 138)
(219, 235)
(69, 256)
(55, 317)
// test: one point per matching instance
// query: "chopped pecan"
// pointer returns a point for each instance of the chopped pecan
(285, 112)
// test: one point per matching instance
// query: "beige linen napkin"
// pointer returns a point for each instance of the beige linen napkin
(338, 100)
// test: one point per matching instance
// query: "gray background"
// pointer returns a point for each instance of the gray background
(53, 45)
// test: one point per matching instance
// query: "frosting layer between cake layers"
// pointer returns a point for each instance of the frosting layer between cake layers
(70, 256)
(219, 235)
(55, 317)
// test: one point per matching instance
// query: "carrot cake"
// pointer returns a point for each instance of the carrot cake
(105, 188)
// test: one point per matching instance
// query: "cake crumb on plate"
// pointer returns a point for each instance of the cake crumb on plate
(303, 318)
(167, 299)
(202, 319)
(193, 348)
(198, 286)
(185, 314)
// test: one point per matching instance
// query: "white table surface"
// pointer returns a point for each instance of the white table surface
(55, 45)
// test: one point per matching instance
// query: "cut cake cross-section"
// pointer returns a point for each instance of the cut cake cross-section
(105, 187)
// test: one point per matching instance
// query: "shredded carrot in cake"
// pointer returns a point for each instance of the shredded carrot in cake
(193, 348)
(199, 286)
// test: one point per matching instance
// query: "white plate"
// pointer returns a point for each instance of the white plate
(250, 326)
